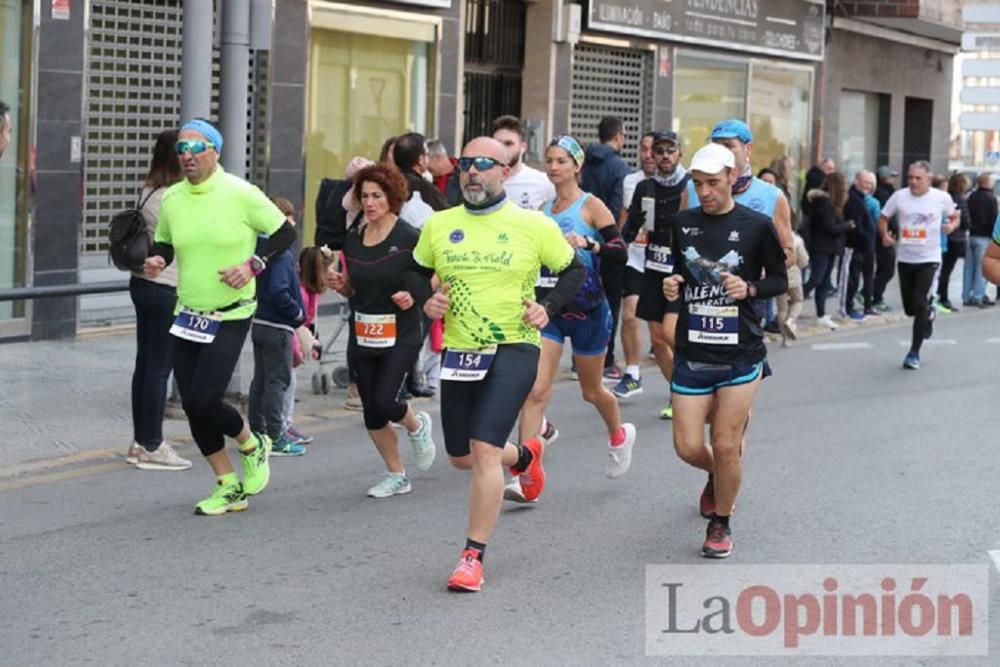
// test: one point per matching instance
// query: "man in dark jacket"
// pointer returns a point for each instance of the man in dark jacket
(602, 176)
(982, 218)
(885, 257)
(861, 240)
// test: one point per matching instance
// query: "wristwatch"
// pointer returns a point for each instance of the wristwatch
(257, 265)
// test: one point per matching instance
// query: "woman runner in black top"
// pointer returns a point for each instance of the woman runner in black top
(385, 335)
(721, 250)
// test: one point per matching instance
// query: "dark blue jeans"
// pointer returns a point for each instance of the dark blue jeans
(820, 269)
(154, 358)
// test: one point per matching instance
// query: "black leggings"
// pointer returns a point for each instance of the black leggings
(203, 372)
(955, 252)
(381, 376)
(915, 282)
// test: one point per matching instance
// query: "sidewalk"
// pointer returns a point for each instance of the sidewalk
(64, 398)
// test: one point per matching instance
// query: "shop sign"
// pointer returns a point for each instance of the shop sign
(787, 28)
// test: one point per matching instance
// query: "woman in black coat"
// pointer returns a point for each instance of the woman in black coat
(826, 241)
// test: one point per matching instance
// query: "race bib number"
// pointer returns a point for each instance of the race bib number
(375, 330)
(546, 279)
(659, 258)
(713, 325)
(913, 235)
(467, 365)
(196, 327)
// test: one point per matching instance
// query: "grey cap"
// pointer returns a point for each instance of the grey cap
(885, 171)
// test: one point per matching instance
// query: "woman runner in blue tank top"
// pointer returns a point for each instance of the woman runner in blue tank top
(590, 228)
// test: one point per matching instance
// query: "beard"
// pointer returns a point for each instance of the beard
(478, 197)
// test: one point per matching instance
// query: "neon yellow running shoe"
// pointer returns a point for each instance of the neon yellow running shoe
(667, 412)
(256, 465)
(226, 498)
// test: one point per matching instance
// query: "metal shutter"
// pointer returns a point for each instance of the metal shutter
(133, 93)
(616, 82)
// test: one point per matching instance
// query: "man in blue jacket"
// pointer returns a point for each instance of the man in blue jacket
(861, 239)
(279, 313)
(603, 174)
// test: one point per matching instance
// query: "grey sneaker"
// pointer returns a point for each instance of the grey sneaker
(394, 483)
(620, 458)
(132, 455)
(162, 458)
(423, 446)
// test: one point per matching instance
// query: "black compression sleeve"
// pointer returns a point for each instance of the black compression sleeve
(775, 280)
(164, 250)
(280, 241)
(635, 219)
(613, 250)
(418, 283)
(570, 281)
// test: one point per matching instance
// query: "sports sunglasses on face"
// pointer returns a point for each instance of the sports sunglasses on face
(194, 147)
(480, 163)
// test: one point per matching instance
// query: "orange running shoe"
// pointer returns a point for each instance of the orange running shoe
(468, 574)
(533, 479)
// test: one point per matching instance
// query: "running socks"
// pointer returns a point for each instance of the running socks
(228, 479)
(618, 439)
(524, 458)
(251, 443)
(478, 547)
(724, 520)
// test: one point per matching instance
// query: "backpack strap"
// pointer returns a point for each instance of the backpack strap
(143, 200)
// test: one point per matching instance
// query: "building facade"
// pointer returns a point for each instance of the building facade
(91, 83)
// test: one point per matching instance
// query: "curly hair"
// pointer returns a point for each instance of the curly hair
(389, 179)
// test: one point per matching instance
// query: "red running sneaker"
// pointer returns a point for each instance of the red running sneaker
(718, 540)
(706, 504)
(468, 574)
(533, 479)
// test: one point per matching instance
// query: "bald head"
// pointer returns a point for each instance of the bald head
(486, 147)
(483, 183)
(985, 180)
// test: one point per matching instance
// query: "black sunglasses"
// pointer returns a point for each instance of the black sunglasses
(480, 163)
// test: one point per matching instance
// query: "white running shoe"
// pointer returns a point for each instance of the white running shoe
(162, 458)
(422, 443)
(620, 458)
(514, 493)
(392, 484)
(827, 321)
(549, 432)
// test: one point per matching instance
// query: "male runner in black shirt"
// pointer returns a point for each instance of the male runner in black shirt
(721, 249)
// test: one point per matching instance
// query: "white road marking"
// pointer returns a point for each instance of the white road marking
(841, 346)
(932, 341)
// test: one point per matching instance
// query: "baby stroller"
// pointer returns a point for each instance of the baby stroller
(322, 380)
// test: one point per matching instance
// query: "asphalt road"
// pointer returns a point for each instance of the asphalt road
(852, 461)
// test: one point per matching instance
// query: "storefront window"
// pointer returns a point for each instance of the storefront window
(362, 90)
(859, 115)
(13, 223)
(706, 90)
(780, 117)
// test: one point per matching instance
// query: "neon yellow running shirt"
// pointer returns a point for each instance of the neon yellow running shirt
(214, 225)
(491, 261)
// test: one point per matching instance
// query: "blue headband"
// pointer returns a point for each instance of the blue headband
(207, 130)
(571, 146)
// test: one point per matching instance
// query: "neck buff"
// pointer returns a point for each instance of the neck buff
(743, 182)
(672, 179)
(488, 206)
